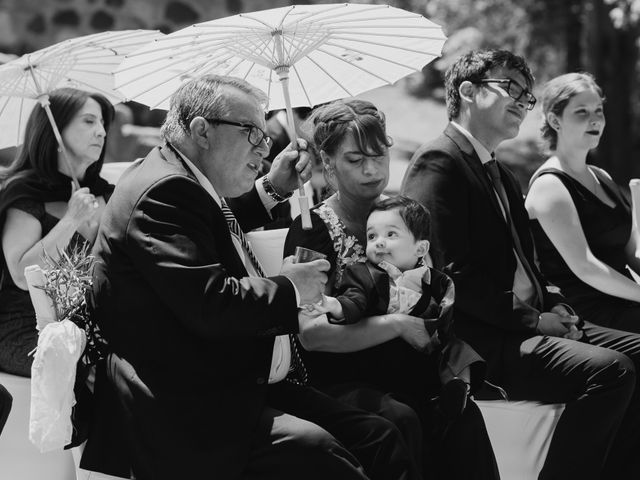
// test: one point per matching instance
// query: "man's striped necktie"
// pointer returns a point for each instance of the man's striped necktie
(297, 371)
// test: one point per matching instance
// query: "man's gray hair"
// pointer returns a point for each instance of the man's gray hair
(203, 97)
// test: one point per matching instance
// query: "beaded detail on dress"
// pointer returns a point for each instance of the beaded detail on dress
(346, 246)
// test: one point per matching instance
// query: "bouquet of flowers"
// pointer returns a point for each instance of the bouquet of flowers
(67, 282)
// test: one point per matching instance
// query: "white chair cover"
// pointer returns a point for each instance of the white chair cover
(268, 246)
(53, 374)
(520, 433)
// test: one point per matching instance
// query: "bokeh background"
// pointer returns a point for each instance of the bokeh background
(556, 36)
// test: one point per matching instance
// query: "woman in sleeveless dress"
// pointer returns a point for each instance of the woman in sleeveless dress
(344, 361)
(41, 212)
(581, 220)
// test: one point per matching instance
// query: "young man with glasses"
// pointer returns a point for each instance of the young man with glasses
(192, 320)
(535, 347)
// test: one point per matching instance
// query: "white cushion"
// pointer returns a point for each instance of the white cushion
(520, 433)
(19, 458)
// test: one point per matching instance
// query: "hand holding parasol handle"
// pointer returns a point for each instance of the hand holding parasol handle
(283, 74)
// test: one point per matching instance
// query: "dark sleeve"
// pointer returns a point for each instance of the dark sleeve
(249, 210)
(356, 294)
(456, 355)
(31, 207)
(317, 238)
(443, 293)
(435, 180)
(174, 243)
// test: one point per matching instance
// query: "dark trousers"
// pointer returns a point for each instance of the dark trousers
(460, 450)
(302, 433)
(598, 434)
(286, 447)
(376, 442)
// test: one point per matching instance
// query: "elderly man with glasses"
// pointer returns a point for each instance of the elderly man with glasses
(534, 345)
(191, 319)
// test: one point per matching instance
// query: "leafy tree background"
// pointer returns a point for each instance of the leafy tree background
(558, 36)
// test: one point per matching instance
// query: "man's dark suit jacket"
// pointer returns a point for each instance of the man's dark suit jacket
(173, 299)
(474, 246)
(364, 292)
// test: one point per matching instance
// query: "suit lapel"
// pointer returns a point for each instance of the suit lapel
(232, 260)
(473, 161)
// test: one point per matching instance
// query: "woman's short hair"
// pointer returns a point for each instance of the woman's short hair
(556, 95)
(330, 124)
(203, 97)
(473, 67)
(39, 152)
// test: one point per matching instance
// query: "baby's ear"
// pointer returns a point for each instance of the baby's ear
(422, 248)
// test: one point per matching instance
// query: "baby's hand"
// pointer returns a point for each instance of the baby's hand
(329, 305)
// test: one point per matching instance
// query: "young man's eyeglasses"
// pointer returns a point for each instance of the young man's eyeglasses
(256, 135)
(513, 89)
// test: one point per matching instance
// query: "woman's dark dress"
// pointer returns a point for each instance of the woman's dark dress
(607, 230)
(463, 450)
(18, 334)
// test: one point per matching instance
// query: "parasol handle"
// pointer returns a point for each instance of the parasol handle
(44, 102)
(634, 187)
(283, 74)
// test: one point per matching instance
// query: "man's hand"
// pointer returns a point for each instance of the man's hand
(288, 165)
(559, 324)
(309, 278)
(411, 330)
(570, 321)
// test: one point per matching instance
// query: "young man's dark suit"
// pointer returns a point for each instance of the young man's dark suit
(196, 341)
(474, 246)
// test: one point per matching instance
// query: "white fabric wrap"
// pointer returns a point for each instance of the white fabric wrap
(281, 359)
(53, 375)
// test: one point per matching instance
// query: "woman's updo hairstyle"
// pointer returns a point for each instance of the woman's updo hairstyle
(329, 125)
(556, 95)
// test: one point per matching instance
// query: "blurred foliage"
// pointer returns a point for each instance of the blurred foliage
(555, 36)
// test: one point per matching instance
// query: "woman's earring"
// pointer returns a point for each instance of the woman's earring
(59, 150)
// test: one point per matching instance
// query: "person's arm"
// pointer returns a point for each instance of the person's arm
(317, 334)
(550, 203)
(435, 181)
(357, 295)
(283, 177)
(174, 239)
(22, 241)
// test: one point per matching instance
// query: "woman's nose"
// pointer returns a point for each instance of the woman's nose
(100, 131)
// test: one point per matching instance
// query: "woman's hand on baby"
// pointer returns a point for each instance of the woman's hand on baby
(411, 330)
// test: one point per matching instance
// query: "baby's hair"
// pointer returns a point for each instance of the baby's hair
(415, 216)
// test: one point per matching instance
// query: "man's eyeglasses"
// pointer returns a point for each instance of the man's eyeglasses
(256, 134)
(513, 89)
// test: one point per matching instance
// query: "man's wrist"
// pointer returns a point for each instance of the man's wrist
(271, 190)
